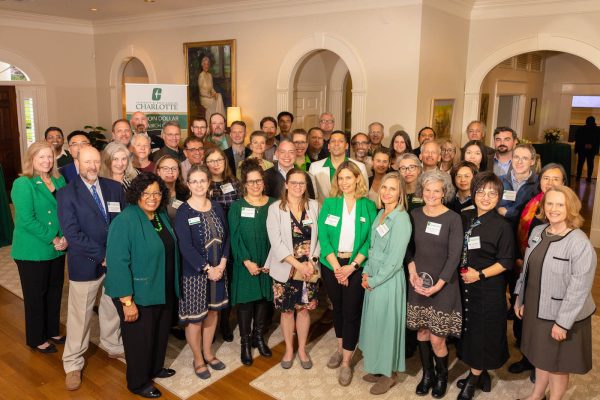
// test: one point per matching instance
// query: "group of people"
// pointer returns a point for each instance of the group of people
(414, 249)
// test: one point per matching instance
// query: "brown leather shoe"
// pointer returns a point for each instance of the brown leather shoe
(73, 380)
(345, 376)
(371, 378)
(383, 384)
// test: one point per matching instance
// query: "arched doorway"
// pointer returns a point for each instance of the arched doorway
(534, 44)
(303, 50)
(133, 72)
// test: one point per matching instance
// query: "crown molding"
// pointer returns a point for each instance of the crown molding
(17, 19)
(497, 9)
(241, 11)
(458, 8)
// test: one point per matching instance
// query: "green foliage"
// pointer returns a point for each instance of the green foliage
(97, 138)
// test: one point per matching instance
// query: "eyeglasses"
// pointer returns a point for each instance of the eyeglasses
(521, 159)
(491, 194)
(360, 144)
(296, 183)
(195, 149)
(448, 151)
(555, 179)
(326, 121)
(254, 182)
(169, 169)
(215, 162)
(155, 195)
(409, 168)
(198, 182)
(172, 135)
(79, 144)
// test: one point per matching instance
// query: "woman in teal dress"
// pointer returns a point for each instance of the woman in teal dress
(252, 285)
(384, 308)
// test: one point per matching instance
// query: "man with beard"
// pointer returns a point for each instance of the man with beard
(193, 148)
(326, 124)
(275, 177)
(269, 126)
(376, 136)
(316, 145)
(217, 136)
(139, 124)
(121, 132)
(199, 128)
(431, 154)
(86, 207)
(237, 152)
(360, 144)
(284, 120)
(504, 140)
(425, 134)
(55, 137)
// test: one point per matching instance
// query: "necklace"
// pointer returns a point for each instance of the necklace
(555, 234)
(159, 226)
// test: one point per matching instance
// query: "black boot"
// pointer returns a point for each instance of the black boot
(261, 312)
(226, 333)
(441, 377)
(428, 379)
(472, 382)
(485, 381)
(244, 315)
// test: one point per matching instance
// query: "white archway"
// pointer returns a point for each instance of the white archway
(116, 72)
(324, 41)
(536, 43)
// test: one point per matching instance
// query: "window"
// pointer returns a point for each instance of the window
(586, 101)
(11, 73)
(29, 121)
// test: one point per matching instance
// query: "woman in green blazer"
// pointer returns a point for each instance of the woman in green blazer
(344, 235)
(38, 246)
(142, 277)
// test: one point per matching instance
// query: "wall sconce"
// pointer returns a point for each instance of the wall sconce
(233, 114)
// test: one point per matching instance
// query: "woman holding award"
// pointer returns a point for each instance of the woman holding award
(344, 234)
(434, 307)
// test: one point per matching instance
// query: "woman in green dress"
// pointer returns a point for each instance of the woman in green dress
(252, 286)
(384, 308)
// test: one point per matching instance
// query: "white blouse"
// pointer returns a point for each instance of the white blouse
(346, 244)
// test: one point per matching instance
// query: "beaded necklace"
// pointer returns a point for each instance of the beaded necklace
(159, 227)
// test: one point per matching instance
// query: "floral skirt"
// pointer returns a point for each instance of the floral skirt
(293, 295)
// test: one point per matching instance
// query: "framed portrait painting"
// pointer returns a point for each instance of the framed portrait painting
(442, 111)
(210, 75)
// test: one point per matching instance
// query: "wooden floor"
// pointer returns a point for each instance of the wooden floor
(25, 374)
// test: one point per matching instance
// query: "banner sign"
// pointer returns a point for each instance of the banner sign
(161, 103)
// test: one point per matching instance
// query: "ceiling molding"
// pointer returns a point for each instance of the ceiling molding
(17, 19)
(497, 9)
(242, 11)
(459, 8)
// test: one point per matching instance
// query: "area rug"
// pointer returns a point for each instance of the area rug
(320, 382)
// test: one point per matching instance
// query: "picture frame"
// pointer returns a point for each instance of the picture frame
(214, 89)
(442, 113)
(532, 111)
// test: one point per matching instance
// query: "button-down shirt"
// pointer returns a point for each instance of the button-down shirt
(501, 168)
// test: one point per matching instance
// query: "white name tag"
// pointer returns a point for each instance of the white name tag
(194, 221)
(307, 221)
(248, 212)
(382, 230)
(509, 195)
(363, 219)
(176, 203)
(332, 220)
(474, 243)
(433, 228)
(417, 200)
(113, 206)
(227, 188)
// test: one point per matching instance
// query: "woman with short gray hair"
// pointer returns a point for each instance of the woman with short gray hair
(434, 306)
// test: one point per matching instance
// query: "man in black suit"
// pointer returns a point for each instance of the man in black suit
(237, 152)
(54, 136)
(275, 177)
(86, 207)
(587, 140)
(425, 134)
(76, 141)
(139, 124)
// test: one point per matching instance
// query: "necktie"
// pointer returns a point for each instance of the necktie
(99, 203)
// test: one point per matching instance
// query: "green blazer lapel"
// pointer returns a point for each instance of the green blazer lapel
(40, 187)
(359, 225)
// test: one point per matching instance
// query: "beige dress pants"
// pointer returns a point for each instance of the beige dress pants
(82, 296)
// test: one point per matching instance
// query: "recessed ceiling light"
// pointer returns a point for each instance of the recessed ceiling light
(149, 1)
(93, 9)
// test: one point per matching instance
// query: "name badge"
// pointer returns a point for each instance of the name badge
(227, 188)
(363, 219)
(509, 195)
(474, 243)
(417, 200)
(194, 221)
(332, 220)
(382, 230)
(433, 228)
(176, 203)
(114, 206)
(248, 212)
(307, 221)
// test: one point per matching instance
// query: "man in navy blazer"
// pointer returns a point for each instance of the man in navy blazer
(86, 206)
(76, 141)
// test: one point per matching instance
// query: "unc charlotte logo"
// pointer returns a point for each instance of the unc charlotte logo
(156, 94)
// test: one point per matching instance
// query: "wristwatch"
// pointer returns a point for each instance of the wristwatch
(482, 276)
(355, 265)
(127, 303)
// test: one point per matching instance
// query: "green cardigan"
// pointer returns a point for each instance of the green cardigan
(135, 258)
(36, 219)
(329, 236)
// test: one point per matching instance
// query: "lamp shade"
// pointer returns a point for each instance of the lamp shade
(233, 114)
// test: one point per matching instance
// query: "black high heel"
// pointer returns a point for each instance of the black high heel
(471, 383)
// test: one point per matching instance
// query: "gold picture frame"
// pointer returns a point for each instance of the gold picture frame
(221, 77)
(442, 113)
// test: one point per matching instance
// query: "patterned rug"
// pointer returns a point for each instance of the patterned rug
(321, 382)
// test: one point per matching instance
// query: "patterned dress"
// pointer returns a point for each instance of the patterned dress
(203, 240)
(295, 294)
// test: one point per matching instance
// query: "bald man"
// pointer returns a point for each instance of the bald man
(139, 124)
(86, 207)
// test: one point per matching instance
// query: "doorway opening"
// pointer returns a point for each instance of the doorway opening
(134, 71)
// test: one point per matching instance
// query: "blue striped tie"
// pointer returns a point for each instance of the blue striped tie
(99, 203)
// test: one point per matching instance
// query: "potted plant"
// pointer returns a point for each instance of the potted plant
(552, 135)
(97, 138)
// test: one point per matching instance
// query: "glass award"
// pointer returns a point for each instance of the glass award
(426, 280)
